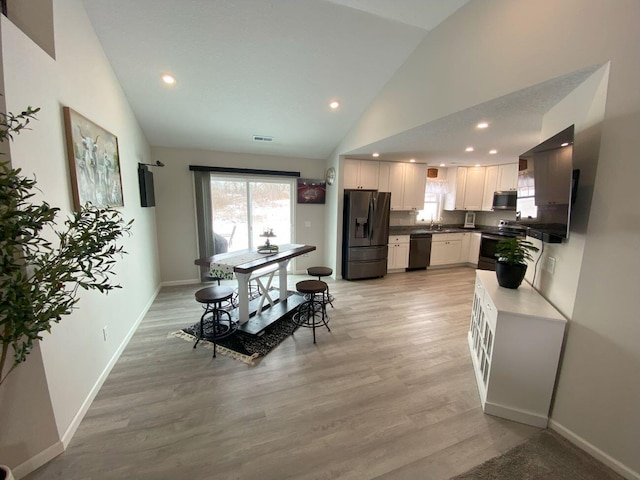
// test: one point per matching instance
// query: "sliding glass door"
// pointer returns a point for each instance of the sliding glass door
(243, 209)
(233, 212)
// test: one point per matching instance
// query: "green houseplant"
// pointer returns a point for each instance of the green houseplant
(43, 265)
(513, 253)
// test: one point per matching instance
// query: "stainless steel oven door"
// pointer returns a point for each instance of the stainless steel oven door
(487, 257)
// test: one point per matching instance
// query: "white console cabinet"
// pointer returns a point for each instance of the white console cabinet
(515, 339)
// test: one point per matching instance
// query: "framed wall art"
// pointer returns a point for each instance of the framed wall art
(94, 162)
(311, 191)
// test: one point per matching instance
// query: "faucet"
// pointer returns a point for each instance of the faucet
(431, 226)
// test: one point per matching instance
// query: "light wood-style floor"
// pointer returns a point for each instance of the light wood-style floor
(388, 394)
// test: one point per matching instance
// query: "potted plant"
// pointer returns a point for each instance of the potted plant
(43, 265)
(513, 253)
(5, 473)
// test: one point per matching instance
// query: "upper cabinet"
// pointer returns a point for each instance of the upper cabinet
(490, 186)
(507, 177)
(465, 188)
(361, 174)
(415, 183)
(406, 182)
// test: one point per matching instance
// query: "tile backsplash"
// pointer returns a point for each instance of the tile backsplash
(397, 219)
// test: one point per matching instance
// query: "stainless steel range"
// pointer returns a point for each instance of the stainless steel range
(506, 228)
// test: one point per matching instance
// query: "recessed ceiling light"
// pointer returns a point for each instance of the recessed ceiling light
(442, 164)
(335, 104)
(493, 152)
(477, 164)
(565, 144)
(468, 149)
(413, 160)
(482, 125)
(168, 79)
(375, 154)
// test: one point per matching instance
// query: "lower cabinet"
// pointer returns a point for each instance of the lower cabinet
(446, 248)
(515, 339)
(398, 256)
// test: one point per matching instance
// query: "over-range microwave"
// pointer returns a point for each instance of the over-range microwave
(505, 200)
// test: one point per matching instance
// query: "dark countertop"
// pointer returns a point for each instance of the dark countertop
(416, 229)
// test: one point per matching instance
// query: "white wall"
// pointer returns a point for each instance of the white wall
(490, 48)
(75, 357)
(175, 207)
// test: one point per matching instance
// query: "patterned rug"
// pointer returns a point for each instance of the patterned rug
(242, 346)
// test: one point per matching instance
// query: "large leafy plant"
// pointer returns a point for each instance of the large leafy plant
(43, 266)
(515, 251)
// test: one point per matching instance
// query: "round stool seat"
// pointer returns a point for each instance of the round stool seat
(311, 286)
(214, 294)
(319, 271)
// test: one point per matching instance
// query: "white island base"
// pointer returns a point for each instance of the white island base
(515, 340)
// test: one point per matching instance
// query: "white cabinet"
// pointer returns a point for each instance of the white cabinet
(490, 186)
(498, 178)
(515, 339)
(465, 188)
(407, 183)
(383, 177)
(470, 247)
(398, 257)
(396, 185)
(361, 174)
(415, 183)
(446, 248)
(474, 248)
(456, 181)
(507, 177)
(474, 188)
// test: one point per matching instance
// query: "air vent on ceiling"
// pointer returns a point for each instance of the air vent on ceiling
(262, 138)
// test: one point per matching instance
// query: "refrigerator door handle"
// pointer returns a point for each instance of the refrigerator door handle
(372, 210)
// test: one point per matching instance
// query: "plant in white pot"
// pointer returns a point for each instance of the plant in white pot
(511, 266)
(43, 265)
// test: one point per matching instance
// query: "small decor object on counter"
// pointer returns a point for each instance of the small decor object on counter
(268, 247)
(513, 253)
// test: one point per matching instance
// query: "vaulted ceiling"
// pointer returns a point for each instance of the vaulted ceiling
(270, 68)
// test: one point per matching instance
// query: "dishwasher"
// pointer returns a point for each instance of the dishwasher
(419, 250)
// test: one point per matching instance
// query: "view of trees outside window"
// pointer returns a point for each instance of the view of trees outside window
(243, 210)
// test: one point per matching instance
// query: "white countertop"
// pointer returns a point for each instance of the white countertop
(524, 300)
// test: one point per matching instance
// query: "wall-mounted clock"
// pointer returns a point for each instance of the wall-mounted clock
(331, 175)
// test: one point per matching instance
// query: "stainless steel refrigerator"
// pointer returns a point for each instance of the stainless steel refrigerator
(365, 234)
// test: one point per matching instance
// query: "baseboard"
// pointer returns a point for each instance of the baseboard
(516, 415)
(178, 283)
(594, 451)
(75, 423)
(38, 460)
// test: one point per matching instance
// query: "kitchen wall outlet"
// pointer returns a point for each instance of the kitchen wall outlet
(104, 333)
(551, 264)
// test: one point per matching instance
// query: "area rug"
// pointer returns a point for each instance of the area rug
(242, 346)
(545, 456)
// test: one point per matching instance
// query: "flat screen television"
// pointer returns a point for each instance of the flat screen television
(547, 184)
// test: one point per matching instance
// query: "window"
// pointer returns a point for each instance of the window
(433, 200)
(233, 211)
(526, 203)
(243, 209)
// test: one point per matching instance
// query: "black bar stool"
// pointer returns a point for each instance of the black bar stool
(322, 272)
(312, 313)
(218, 327)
